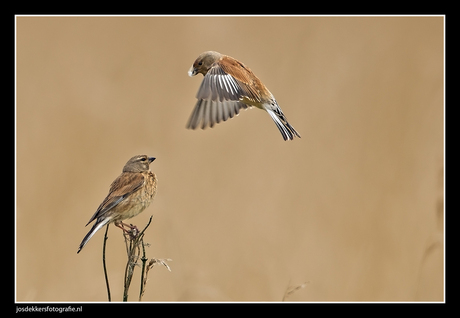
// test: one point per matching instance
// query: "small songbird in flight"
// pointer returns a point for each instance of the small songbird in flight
(228, 86)
(130, 194)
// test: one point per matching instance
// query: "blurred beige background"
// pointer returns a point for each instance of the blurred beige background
(353, 209)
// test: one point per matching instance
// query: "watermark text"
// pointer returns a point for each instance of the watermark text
(57, 309)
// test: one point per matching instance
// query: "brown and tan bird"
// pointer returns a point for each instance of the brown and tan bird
(228, 86)
(130, 194)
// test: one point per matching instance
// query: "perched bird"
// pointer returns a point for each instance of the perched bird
(130, 194)
(228, 86)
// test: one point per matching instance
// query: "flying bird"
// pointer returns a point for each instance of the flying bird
(228, 86)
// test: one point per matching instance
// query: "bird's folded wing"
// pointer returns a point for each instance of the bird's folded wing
(120, 189)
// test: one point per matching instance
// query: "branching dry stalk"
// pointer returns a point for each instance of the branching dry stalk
(152, 263)
(134, 241)
(290, 290)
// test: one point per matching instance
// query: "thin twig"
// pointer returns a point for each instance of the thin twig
(103, 263)
(145, 228)
(144, 260)
(290, 290)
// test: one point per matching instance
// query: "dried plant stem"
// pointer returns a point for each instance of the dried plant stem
(134, 240)
(129, 269)
(143, 280)
(290, 290)
(133, 251)
(103, 263)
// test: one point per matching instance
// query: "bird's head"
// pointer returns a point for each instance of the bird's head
(204, 62)
(138, 164)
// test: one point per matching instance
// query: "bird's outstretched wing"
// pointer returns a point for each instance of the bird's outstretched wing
(219, 97)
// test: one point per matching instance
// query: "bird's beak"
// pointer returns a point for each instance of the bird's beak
(151, 159)
(192, 71)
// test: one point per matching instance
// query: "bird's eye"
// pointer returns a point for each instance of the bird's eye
(200, 63)
(143, 159)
